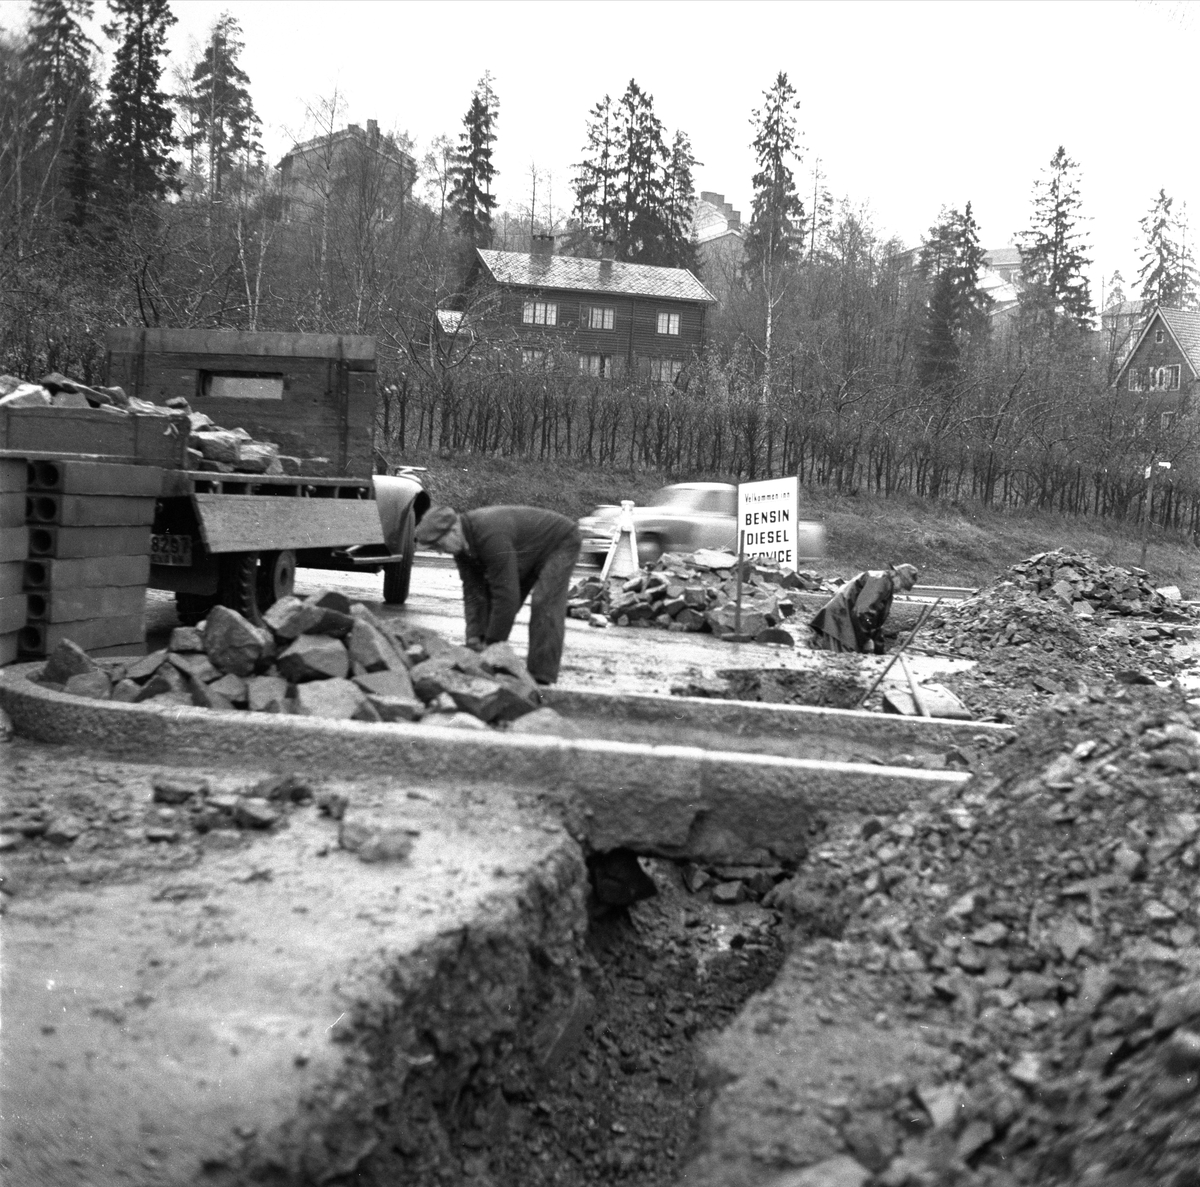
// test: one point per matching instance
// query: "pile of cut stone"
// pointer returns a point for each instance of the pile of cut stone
(209, 446)
(1044, 601)
(1041, 921)
(320, 656)
(1081, 582)
(698, 592)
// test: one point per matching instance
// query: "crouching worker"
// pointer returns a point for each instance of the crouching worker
(505, 555)
(852, 620)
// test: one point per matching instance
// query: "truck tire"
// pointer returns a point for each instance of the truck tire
(276, 577)
(397, 577)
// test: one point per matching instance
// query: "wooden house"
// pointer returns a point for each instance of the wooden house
(618, 319)
(1163, 368)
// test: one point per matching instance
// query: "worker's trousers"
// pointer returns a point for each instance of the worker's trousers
(548, 612)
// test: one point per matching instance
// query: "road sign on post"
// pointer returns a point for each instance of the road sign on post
(766, 519)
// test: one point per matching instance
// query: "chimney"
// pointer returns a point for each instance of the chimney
(373, 129)
(608, 249)
(543, 245)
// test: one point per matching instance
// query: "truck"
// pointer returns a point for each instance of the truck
(220, 536)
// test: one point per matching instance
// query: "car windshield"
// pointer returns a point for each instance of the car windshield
(712, 502)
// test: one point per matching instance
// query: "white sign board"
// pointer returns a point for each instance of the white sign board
(766, 519)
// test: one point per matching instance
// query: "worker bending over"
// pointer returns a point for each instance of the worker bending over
(505, 555)
(854, 616)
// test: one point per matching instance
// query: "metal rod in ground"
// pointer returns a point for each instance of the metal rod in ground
(897, 653)
(737, 614)
(918, 703)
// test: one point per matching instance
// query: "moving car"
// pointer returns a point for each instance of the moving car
(683, 518)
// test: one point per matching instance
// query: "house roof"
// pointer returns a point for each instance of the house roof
(1183, 325)
(593, 276)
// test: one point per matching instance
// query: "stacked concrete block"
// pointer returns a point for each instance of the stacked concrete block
(88, 556)
(14, 546)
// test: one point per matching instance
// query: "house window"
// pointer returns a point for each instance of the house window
(664, 370)
(668, 323)
(1135, 380)
(532, 357)
(1159, 336)
(598, 317)
(1165, 421)
(541, 313)
(599, 365)
(1164, 379)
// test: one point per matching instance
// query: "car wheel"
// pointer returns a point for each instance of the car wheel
(650, 548)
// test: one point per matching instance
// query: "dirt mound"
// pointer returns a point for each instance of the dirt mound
(1058, 622)
(1042, 920)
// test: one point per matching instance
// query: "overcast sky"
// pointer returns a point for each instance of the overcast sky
(907, 106)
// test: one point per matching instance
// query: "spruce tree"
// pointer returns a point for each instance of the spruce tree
(1053, 250)
(641, 162)
(224, 120)
(678, 248)
(138, 135)
(776, 231)
(595, 182)
(59, 55)
(473, 173)
(1168, 272)
(957, 313)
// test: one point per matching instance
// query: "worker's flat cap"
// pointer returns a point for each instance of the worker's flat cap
(435, 524)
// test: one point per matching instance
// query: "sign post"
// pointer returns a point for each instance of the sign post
(766, 518)
(1150, 472)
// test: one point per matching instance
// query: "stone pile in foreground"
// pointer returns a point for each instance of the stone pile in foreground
(321, 656)
(1019, 958)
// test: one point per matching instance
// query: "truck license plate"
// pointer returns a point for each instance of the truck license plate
(169, 549)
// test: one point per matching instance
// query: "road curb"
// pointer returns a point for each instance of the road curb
(673, 801)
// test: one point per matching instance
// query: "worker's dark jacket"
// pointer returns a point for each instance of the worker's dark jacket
(852, 620)
(506, 549)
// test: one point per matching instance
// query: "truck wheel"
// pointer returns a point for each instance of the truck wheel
(241, 586)
(397, 577)
(276, 577)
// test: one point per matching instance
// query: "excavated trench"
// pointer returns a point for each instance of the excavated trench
(555, 1038)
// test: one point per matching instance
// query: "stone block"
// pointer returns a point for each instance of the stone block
(387, 684)
(689, 619)
(233, 688)
(266, 694)
(477, 695)
(233, 644)
(376, 840)
(194, 664)
(314, 657)
(290, 618)
(330, 599)
(166, 681)
(145, 667)
(456, 720)
(125, 691)
(203, 694)
(67, 659)
(397, 708)
(370, 647)
(429, 676)
(500, 657)
(339, 699)
(90, 684)
(253, 812)
(178, 790)
(186, 638)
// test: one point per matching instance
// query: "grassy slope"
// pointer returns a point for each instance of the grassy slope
(951, 545)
